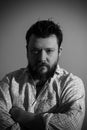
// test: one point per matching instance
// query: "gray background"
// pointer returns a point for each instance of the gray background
(17, 16)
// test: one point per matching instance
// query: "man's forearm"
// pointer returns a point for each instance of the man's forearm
(27, 119)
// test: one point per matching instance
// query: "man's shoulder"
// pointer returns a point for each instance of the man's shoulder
(16, 74)
(68, 77)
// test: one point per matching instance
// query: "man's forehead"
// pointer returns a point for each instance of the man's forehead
(50, 41)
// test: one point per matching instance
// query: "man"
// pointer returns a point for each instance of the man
(42, 96)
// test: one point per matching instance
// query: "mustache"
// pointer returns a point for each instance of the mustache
(42, 64)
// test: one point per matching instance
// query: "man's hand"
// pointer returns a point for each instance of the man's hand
(27, 119)
(20, 115)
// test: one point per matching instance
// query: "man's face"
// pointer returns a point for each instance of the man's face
(42, 55)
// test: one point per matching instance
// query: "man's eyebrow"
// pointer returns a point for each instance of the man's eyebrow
(50, 49)
(34, 48)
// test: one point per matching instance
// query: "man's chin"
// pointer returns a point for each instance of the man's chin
(43, 70)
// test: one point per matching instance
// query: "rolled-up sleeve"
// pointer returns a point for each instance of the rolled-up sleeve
(69, 115)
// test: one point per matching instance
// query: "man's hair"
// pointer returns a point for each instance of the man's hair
(43, 29)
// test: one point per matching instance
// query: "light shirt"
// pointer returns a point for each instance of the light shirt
(61, 101)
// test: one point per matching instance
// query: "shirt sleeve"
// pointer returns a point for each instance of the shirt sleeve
(69, 115)
(6, 122)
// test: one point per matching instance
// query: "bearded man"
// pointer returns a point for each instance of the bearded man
(42, 96)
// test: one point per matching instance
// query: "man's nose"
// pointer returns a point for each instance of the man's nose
(43, 56)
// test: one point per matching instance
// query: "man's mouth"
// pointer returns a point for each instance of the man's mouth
(42, 64)
(43, 68)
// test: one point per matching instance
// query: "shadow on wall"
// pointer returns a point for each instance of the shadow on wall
(84, 127)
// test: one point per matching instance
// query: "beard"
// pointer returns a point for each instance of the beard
(42, 71)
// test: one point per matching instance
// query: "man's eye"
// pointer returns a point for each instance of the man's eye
(49, 51)
(34, 51)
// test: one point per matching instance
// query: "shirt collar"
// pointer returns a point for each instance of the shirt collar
(58, 70)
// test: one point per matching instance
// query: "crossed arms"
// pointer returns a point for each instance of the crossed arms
(69, 115)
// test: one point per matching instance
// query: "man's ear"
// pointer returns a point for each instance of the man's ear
(59, 51)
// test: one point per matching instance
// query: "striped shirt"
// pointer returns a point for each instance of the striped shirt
(61, 101)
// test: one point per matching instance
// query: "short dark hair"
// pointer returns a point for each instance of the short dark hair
(43, 29)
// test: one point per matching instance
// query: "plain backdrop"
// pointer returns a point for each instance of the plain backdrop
(16, 16)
